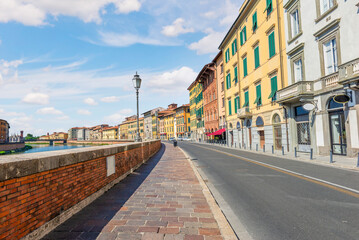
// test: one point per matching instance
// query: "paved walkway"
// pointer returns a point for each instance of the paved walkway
(163, 199)
(338, 161)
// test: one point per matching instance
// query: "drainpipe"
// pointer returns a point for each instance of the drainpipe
(281, 67)
(286, 126)
(280, 45)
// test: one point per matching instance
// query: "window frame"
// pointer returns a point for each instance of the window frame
(320, 14)
(256, 56)
(293, 58)
(254, 23)
(295, 6)
(333, 34)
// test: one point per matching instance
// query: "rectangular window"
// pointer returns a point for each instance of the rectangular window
(222, 102)
(236, 104)
(227, 55)
(254, 21)
(258, 100)
(298, 70)
(271, 43)
(294, 16)
(269, 7)
(330, 56)
(274, 88)
(234, 47)
(243, 35)
(245, 72)
(235, 74)
(230, 107)
(325, 5)
(246, 99)
(222, 86)
(228, 79)
(256, 57)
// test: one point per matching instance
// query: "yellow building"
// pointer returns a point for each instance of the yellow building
(169, 124)
(132, 128)
(110, 133)
(155, 126)
(196, 110)
(255, 68)
(182, 121)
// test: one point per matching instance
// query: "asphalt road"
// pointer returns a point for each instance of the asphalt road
(264, 202)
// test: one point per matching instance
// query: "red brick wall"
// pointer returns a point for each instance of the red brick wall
(11, 146)
(28, 202)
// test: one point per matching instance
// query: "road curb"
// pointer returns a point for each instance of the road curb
(285, 157)
(224, 226)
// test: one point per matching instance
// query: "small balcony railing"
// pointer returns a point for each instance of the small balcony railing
(330, 80)
(295, 91)
(349, 71)
(244, 112)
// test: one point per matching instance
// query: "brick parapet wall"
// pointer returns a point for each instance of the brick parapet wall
(36, 188)
(11, 146)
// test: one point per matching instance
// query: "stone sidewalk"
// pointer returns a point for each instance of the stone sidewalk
(163, 199)
(338, 161)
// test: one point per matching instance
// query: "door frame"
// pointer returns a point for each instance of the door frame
(339, 113)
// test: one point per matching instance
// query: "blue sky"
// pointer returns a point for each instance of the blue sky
(70, 63)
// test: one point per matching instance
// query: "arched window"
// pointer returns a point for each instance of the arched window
(333, 105)
(276, 119)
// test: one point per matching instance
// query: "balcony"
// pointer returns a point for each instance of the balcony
(349, 72)
(199, 117)
(244, 112)
(330, 80)
(294, 92)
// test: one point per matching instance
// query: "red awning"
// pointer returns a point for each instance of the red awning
(219, 132)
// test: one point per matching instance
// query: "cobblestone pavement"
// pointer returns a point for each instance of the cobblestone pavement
(163, 199)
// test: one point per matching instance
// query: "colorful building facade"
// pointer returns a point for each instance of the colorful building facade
(4, 131)
(255, 69)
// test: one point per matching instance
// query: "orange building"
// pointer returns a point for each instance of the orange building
(4, 131)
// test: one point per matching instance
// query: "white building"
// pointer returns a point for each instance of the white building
(323, 62)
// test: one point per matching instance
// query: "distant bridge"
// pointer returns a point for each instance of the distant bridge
(51, 141)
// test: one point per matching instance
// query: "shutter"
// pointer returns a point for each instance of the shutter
(229, 107)
(245, 33)
(245, 67)
(271, 45)
(254, 21)
(256, 57)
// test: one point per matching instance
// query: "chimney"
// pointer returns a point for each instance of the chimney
(21, 134)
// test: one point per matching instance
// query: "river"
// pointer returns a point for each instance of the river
(46, 148)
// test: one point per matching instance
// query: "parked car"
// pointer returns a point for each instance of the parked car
(179, 139)
(172, 139)
(186, 139)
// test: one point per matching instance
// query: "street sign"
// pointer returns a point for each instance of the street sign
(308, 106)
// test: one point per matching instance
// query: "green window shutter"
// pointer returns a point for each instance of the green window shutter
(235, 74)
(254, 21)
(235, 105)
(246, 99)
(269, 6)
(256, 57)
(274, 88)
(235, 45)
(245, 73)
(258, 100)
(229, 107)
(232, 48)
(271, 43)
(229, 79)
(245, 33)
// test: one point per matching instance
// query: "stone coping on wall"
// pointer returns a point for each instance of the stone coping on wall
(14, 166)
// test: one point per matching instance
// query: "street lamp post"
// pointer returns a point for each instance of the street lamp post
(137, 84)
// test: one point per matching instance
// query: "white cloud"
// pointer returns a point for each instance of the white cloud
(114, 98)
(208, 44)
(118, 117)
(176, 28)
(124, 40)
(49, 111)
(34, 12)
(176, 81)
(90, 101)
(8, 71)
(36, 98)
(83, 112)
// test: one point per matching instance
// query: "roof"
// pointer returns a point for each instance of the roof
(183, 106)
(218, 55)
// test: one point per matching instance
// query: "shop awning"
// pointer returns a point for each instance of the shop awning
(219, 132)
